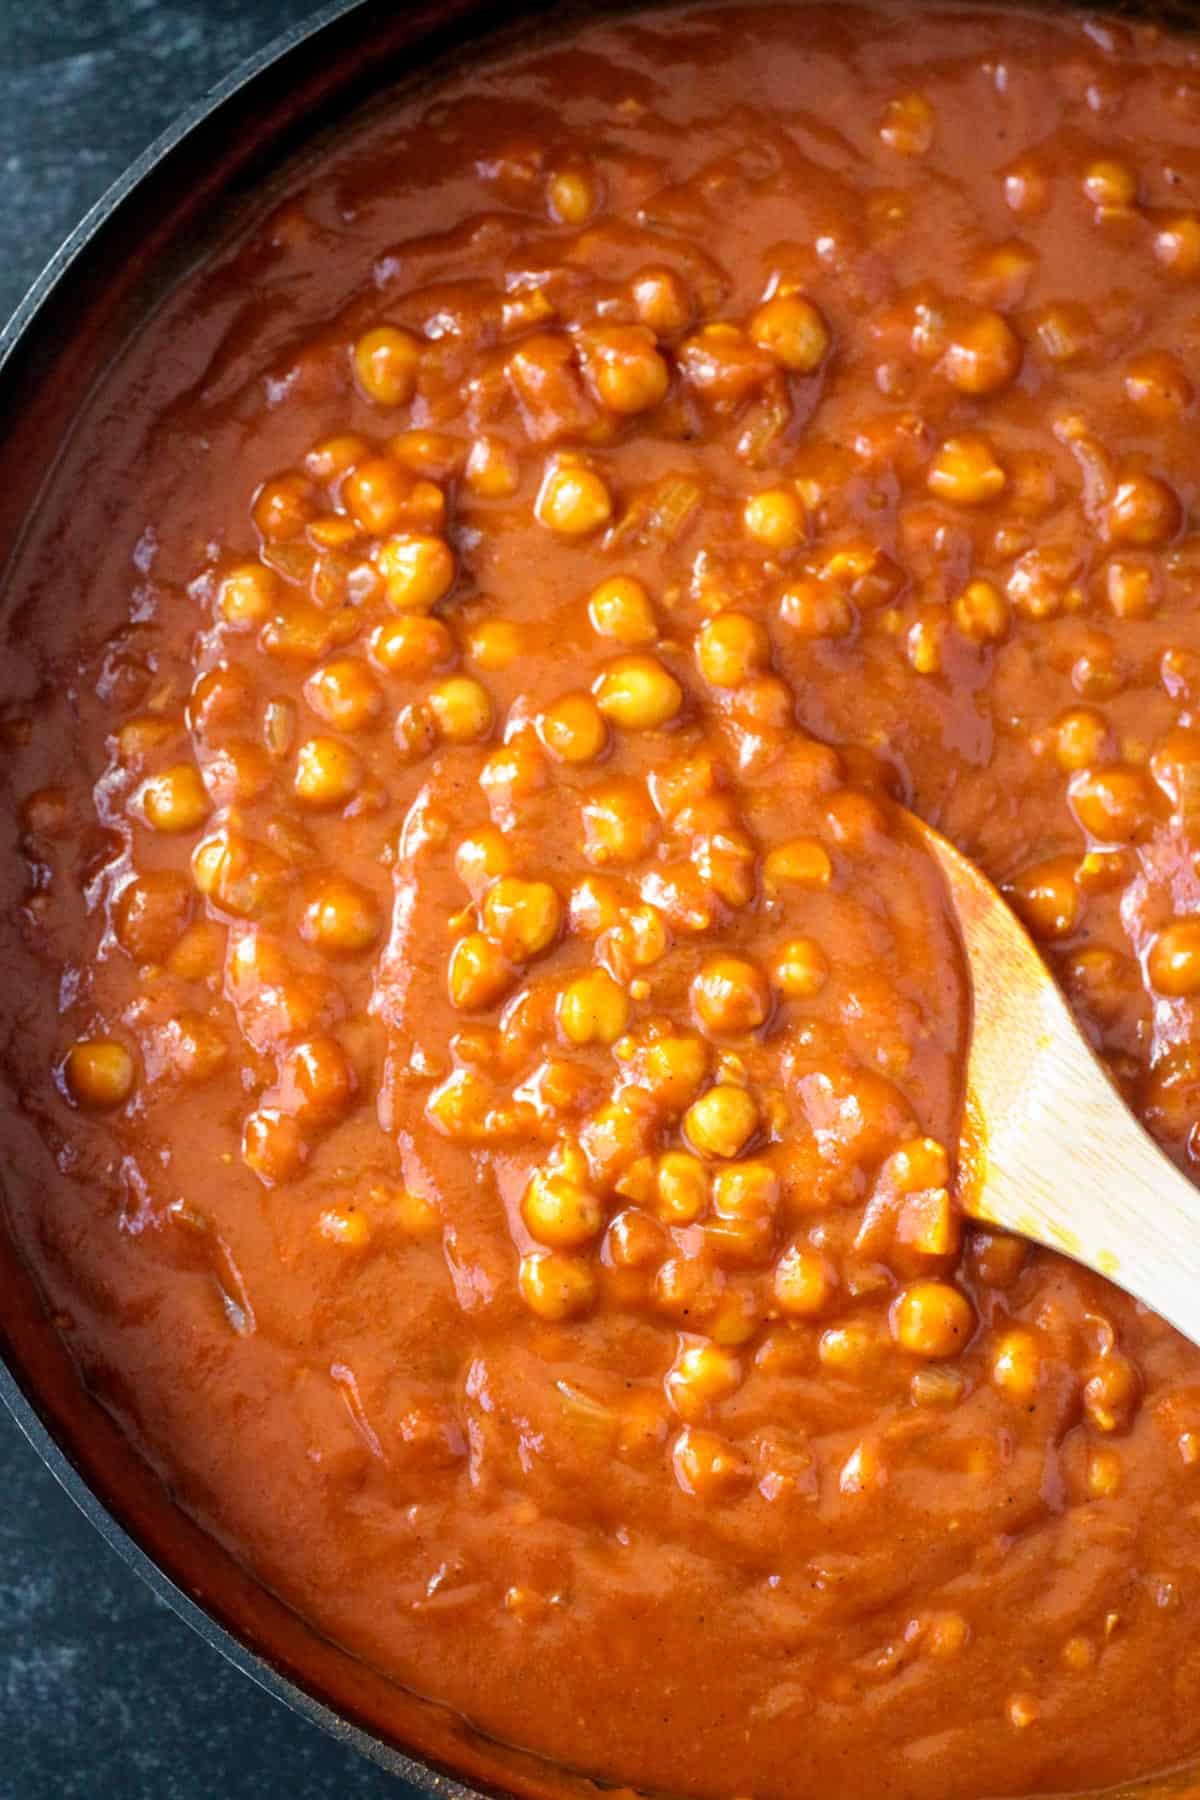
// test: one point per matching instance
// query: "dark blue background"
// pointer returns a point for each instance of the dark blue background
(104, 1694)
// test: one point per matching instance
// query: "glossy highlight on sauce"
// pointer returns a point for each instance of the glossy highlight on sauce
(486, 1061)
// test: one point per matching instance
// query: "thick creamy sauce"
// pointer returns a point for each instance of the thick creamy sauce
(495, 1050)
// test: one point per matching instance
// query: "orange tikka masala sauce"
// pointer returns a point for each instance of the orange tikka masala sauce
(485, 1054)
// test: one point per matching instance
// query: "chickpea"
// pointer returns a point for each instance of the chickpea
(248, 595)
(1111, 1393)
(923, 643)
(413, 645)
(573, 500)
(572, 196)
(703, 1374)
(801, 863)
(515, 772)
(152, 913)
(175, 801)
(965, 471)
(722, 1121)
(1177, 245)
(731, 648)
(816, 609)
(983, 356)
(481, 859)
(625, 366)
(573, 729)
(418, 571)
(638, 693)
(335, 456)
(492, 471)
(1131, 589)
(344, 694)
(849, 1350)
(1048, 899)
(620, 608)
(1111, 804)
(707, 1466)
(328, 773)
(790, 329)
(463, 709)
(99, 1073)
(1173, 960)
(662, 301)
(801, 969)
(282, 508)
(775, 519)
(1142, 511)
(932, 1319)
(556, 1287)
(273, 1146)
(731, 995)
(675, 1069)
(377, 493)
(682, 1188)
(478, 974)
(981, 613)
(1015, 1364)
(318, 1082)
(385, 365)
(907, 126)
(1158, 385)
(523, 918)
(340, 917)
(560, 1213)
(1081, 737)
(593, 1009)
(746, 1190)
(805, 1281)
(1111, 186)
(495, 644)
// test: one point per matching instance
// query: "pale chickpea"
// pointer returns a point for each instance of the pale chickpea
(593, 1009)
(1173, 960)
(328, 773)
(675, 1069)
(248, 595)
(791, 329)
(629, 374)
(805, 1281)
(481, 859)
(850, 1350)
(621, 608)
(462, 708)
(1015, 1364)
(1142, 511)
(556, 1287)
(932, 1319)
(800, 968)
(638, 693)
(983, 355)
(803, 862)
(478, 973)
(386, 361)
(707, 1466)
(340, 917)
(731, 995)
(682, 1188)
(702, 1375)
(99, 1073)
(662, 301)
(731, 648)
(776, 519)
(516, 771)
(413, 644)
(722, 1121)
(523, 918)
(560, 1213)
(746, 1190)
(573, 500)
(965, 471)
(492, 470)
(344, 694)
(1081, 737)
(981, 613)
(175, 801)
(418, 570)
(573, 729)
(494, 644)
(1111, 1393)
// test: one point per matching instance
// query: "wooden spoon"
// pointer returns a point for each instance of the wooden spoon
(1050, 1150)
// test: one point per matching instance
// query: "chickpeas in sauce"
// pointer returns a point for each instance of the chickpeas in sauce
(495, 1050)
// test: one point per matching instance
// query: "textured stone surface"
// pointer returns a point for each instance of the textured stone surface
(104, 1694)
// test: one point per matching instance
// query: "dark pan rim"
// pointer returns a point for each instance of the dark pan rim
(13, 337)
